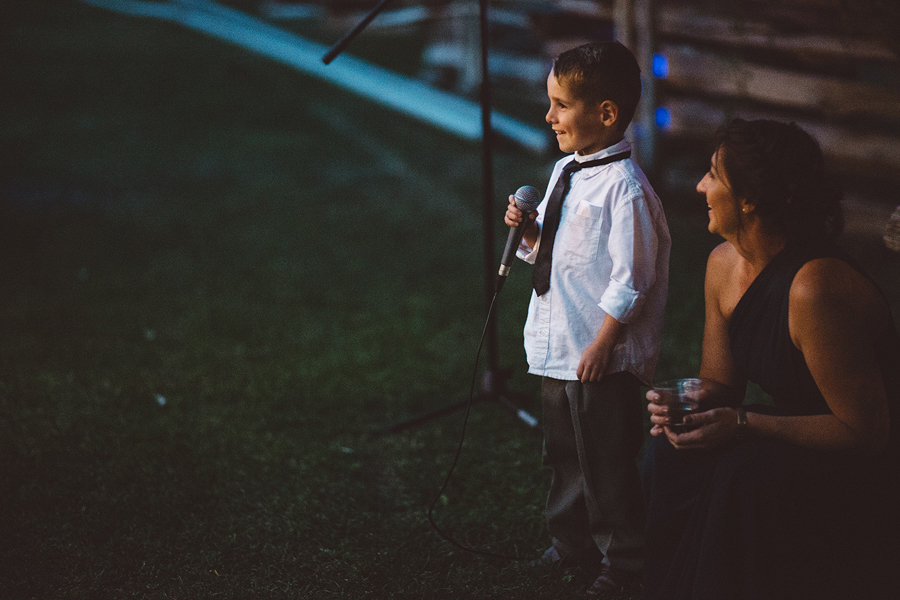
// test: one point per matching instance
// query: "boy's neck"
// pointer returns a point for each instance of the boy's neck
(615, 139)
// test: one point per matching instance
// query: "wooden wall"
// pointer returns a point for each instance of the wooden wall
(834, 72)
(797, 60)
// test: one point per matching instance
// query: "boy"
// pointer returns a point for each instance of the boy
(595, 318)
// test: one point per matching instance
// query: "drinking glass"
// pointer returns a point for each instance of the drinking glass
(682, 397)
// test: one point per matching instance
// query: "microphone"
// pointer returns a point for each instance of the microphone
(527, 199)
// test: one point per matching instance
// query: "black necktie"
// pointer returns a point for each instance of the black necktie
(540, 276)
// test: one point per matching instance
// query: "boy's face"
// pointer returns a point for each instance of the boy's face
(580, 126)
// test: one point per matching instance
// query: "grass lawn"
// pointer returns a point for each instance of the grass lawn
(218, 276)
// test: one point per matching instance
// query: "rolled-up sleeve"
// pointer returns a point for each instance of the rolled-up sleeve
(632, 248)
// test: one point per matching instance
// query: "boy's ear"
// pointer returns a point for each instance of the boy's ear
(609, 112)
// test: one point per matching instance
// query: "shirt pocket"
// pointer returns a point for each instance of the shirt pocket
(582, 235)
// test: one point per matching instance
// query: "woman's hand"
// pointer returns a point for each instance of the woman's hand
(705, 429)
(712, 428)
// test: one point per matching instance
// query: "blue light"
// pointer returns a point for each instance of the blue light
(663, 118)
(660, 66)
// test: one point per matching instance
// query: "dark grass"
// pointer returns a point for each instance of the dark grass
(218, 277)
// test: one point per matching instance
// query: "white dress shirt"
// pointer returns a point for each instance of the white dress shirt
(610, 257)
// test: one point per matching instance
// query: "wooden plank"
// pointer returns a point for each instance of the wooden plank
(849, 150)
(718, 75)
(688, 22)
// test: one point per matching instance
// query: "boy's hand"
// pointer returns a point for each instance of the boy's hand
(514, 216)
(593, 361)
(596, 356)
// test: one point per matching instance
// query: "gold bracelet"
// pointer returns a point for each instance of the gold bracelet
(741, 421)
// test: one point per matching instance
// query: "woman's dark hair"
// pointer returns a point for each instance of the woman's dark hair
(780, 169)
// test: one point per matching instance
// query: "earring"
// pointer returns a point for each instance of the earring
(745, 210)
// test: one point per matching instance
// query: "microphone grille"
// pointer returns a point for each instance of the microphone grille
(527, 198)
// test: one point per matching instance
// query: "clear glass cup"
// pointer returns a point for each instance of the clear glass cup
(682, 397)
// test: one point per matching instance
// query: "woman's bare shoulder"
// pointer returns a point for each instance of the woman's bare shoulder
(722, 255)
(721, 261)
(832, 279)
(831, 286)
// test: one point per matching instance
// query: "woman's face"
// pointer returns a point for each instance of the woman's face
(724, 208)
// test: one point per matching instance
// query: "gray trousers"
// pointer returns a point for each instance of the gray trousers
(593, 433)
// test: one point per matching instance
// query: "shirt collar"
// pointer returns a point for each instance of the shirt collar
(622, 146)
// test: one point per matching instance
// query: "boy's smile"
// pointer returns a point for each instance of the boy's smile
(580, 126)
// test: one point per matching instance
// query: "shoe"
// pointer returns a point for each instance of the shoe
(612, 580)
(550, 557)
(585, 559)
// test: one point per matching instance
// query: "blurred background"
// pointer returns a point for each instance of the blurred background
(225, 264)
(830, 65)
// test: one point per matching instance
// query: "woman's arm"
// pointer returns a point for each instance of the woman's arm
(834, 317)
(716, 363)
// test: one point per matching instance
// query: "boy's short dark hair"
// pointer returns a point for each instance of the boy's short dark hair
(602, 71)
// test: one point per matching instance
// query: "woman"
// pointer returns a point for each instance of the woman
(792, 500)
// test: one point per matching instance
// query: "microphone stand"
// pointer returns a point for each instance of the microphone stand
(343, 43)
(494, 380)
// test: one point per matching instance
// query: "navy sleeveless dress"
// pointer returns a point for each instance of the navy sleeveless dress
(764, 519)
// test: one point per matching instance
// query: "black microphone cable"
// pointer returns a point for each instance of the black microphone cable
(462, 438)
